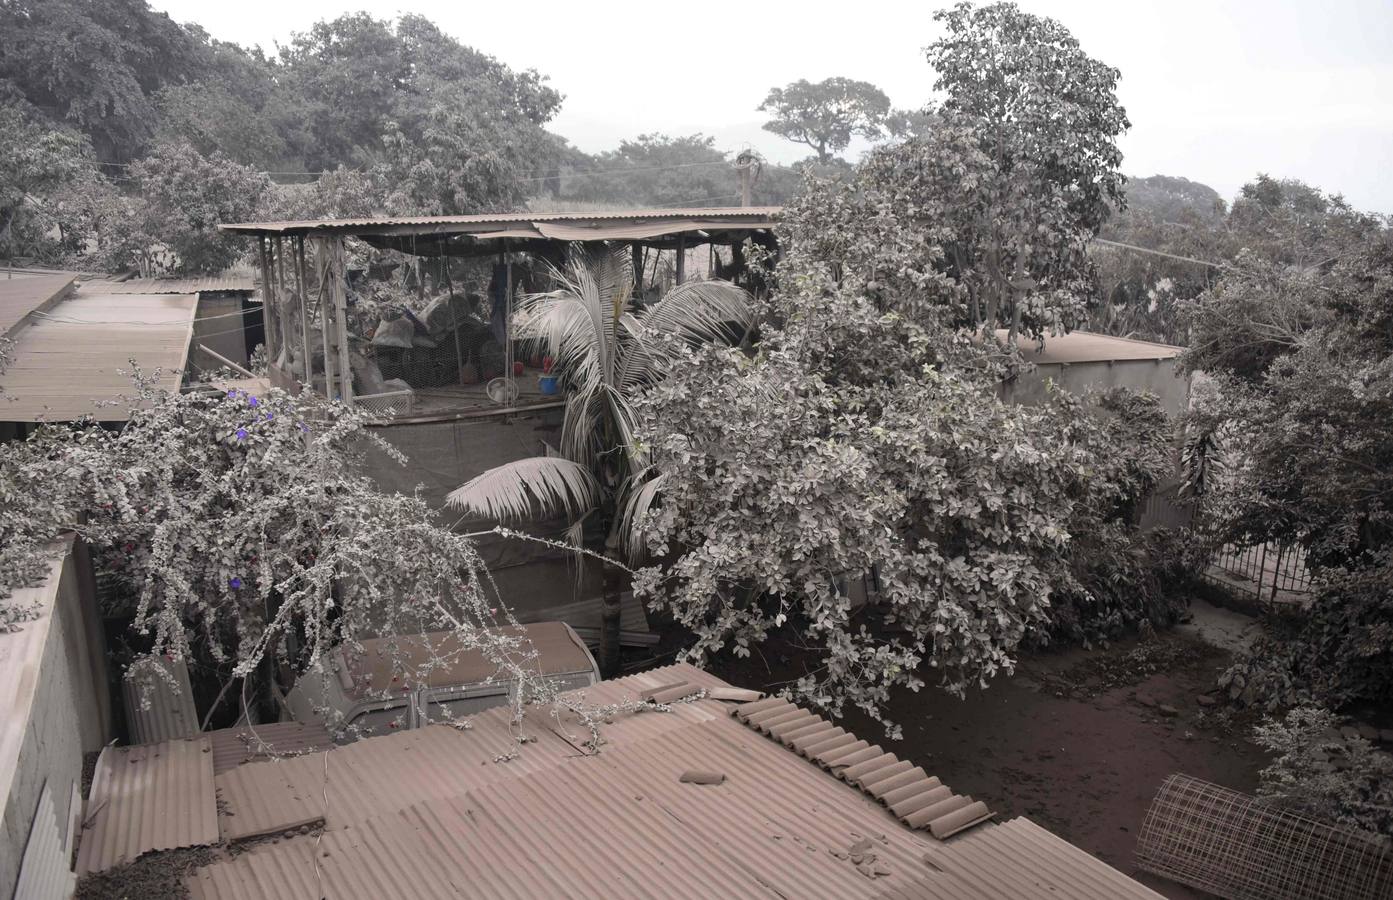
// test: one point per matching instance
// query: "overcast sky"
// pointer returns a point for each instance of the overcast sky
(1216, 91)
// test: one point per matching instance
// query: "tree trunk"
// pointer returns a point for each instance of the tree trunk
(609, 612)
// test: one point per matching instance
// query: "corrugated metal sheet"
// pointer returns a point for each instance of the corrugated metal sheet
(620, 231)
(44, 872)
(71, 356)
(915, 798)
(736, 216)
(256, 743)
(21, 295)
(157, 710)
(194, 285)
(150, 797)
(1024, 860)
(1085, 346)
(271, 796)
(558, 822)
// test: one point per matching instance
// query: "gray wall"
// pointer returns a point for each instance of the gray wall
(218, 326)
(444, 455)
(70, 713)
(1157, 376)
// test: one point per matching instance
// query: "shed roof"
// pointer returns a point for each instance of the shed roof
(593, 225)
(445, 812)
(24, 292)
(439, 660)
(188, 285)
(70, 356)
(1087, 346)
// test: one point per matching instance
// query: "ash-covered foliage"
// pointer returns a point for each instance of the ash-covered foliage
(866, 432)
(1319, 771)
(245, 531)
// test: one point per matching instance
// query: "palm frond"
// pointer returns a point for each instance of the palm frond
(567, 322)
(537, 487)
(701, 311)
(635, 504)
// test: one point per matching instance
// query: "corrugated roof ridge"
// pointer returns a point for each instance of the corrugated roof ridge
(918, 800)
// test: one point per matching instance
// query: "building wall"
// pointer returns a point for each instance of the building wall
(1159, 376)
(57, 707)
(444, 455)
(220, 327)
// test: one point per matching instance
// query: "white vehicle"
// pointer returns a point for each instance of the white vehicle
(384, 688)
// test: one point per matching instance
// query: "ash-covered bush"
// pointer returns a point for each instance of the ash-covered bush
(1323, 773)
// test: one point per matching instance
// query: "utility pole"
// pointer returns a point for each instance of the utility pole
(746, 163)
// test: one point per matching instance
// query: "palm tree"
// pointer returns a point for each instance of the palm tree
(606, 352)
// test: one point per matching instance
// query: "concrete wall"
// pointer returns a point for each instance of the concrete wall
(218, 326)
(444, 455)
(1159, 376)
(54, 706)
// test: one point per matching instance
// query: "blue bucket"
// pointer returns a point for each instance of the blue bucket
(547, 383)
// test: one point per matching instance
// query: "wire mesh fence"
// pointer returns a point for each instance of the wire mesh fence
(1235, 846)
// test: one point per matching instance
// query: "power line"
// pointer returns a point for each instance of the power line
(1135, 248)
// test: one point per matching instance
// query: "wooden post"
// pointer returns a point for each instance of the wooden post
(637, 250)
(302, 288)
(681, 257)
(339, 291)
(268, 302)
(507, 324)
(325, 328)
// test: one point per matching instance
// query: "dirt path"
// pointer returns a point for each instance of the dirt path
(1078, 741)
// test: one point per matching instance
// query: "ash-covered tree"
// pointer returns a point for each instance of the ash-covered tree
(39, 166)
(867, 433)
(457, 129)
(1303, 360)
(826, 115)
(96, 65)
(244, 537)
(655, 170)
(989, 215)
(182, 197)
(608, 354)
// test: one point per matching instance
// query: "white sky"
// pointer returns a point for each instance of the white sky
(1216, 91)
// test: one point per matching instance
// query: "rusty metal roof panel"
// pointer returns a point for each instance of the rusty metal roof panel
(148, 797)
(1024, 860)
(429, 813)
(918, 800)
(233, 747)
(728, 216)
(274, 795)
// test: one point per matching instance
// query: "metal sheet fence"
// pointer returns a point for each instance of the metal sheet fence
(1235, 846)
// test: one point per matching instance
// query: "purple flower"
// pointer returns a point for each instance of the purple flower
(252, 401)
(270, 415)
(303, 427)
(232, 395)
(235, 583)
(241, 434)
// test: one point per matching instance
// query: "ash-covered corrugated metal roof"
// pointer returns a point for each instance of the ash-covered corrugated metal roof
(250, 743)
(443, 812)
(715, 217)
(1086, 346)
(148, 797)
(190, 285)
(70, 357)
(25, 292)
